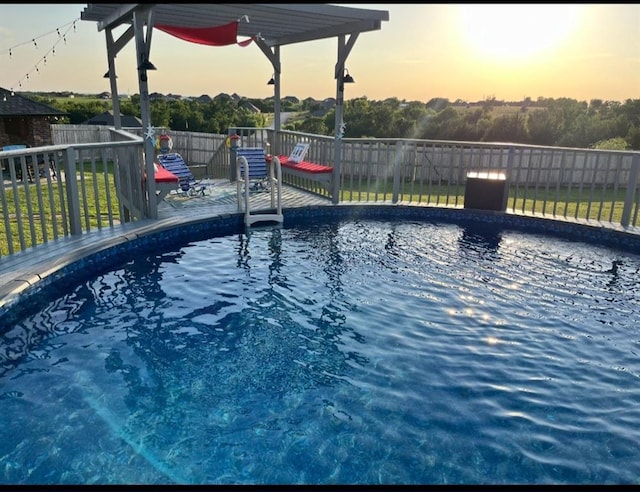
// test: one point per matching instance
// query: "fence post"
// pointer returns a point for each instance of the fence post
(71, 184)
(505, 197)
(231, 147)
(397, 166)
(631, 190)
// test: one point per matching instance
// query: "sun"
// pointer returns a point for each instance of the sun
(516, 31)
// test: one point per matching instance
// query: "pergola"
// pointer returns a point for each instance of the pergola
(270, 26)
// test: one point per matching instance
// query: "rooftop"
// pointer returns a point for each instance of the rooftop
(12, 104)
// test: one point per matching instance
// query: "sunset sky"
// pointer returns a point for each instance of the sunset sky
(455, 51)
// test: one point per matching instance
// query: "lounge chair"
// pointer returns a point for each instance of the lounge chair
(254, 174)
(187, 185)
(258, 176)
(296, 168)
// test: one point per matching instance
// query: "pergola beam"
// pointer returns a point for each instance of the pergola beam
(118, 16)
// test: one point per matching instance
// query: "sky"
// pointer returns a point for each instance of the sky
(471, 52)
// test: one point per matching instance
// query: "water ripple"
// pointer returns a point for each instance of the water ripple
(357, 352)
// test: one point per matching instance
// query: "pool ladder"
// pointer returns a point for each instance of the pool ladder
(255, 173)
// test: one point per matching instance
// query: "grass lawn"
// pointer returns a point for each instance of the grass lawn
(606, 206)
(49, 208)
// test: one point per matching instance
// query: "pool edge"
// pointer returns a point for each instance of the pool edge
(26, 273)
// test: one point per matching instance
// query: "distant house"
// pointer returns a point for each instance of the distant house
(223, 97)
(25, 122)
(106, 118)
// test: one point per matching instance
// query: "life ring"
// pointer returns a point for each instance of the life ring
(164, 143)
(230, 139)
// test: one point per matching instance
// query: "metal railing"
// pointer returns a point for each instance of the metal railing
(75, 188)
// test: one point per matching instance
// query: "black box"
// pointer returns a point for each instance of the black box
(485, 191)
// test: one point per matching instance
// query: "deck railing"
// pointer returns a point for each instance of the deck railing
(196, 148)
(78, 187)
(60, 190)
(555, 182)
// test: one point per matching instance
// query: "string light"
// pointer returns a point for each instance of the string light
(52, 50)
(72, 24)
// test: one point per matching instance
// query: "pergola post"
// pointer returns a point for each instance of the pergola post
(274, 58)
(115, 100)
(276, 102)
(343, 52)
(143, 45)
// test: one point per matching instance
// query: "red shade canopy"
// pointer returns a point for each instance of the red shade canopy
(211, 36)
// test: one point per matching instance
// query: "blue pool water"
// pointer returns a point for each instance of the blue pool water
(353, 352)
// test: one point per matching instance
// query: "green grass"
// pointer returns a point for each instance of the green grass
(47, 206)
(81, 99)
(572, 203)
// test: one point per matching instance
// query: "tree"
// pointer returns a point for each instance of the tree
(313, 124)
(633, 138)
(507, 128)
(542, 127)
(438, 103)
(617, 143)
(78, 112)
(440, 126)
(554, 122)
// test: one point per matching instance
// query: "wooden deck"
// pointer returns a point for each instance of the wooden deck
(220, 199)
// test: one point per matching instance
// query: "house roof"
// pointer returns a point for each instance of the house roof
(106, 118)
(277, 23)
(12, 104)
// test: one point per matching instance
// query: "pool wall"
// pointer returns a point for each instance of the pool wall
(77, 263)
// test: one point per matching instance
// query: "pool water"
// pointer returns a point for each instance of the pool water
(353, 352)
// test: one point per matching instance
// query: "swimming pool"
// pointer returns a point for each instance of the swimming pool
(352, 351)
